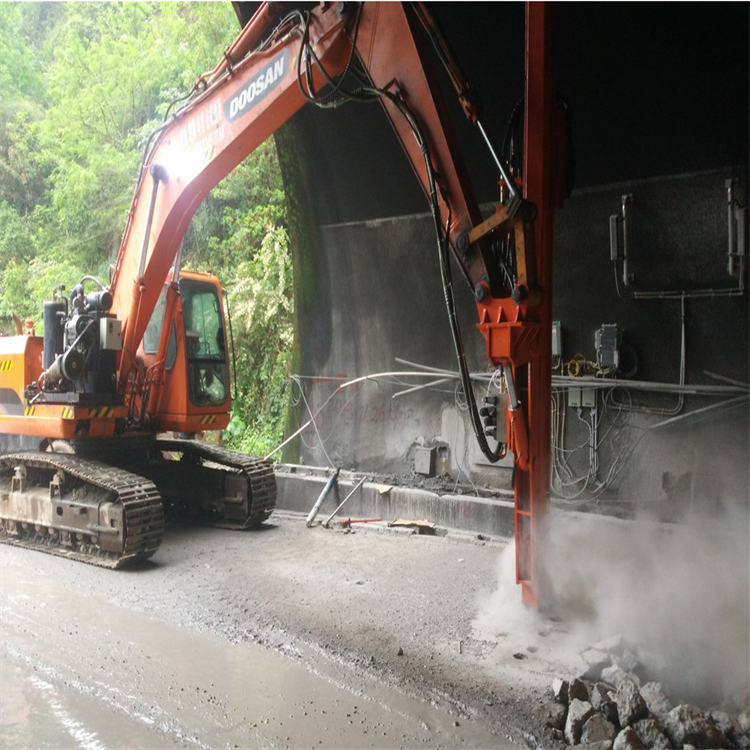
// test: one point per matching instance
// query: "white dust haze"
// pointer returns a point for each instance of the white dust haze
(682, 592)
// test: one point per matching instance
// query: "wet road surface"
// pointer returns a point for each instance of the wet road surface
(96, 659)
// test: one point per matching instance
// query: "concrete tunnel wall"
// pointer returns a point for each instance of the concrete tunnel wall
(368, 289)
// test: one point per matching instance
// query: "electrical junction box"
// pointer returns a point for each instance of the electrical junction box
(607, 341)
(588, 398)
(424, 461)
(110, 334)
(574, 397)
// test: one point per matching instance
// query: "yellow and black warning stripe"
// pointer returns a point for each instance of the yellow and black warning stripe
(207, 419)
(6, 365)
(66, 412)
(69, 412)
(101, 412)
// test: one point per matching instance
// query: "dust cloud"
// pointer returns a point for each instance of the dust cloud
(679, 592)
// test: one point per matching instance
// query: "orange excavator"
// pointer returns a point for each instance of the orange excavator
(86, 467)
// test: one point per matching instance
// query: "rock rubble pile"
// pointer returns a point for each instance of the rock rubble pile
(612, 707)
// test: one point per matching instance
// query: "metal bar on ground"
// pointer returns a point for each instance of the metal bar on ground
(359, 484)
(321, 497)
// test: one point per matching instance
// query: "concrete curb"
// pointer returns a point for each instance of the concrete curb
(299, 487)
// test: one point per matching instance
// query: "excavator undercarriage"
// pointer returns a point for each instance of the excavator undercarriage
(112, 514)
(78, 508)
(213, 485)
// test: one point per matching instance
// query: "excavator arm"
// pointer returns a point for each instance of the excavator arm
(326, 55)
(241, 103)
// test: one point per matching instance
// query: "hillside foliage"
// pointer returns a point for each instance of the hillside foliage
(82, 86)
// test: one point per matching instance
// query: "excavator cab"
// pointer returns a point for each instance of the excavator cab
(185, 350)
(206, 347)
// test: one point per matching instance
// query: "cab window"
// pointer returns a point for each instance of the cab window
(205, 343)
(153, 329)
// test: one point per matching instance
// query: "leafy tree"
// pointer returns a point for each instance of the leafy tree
(262, 314)
(20, 72)
(17, 249)
(22, 85)
(82, 87)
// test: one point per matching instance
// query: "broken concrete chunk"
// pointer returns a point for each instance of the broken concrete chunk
(662, 743)
(595, 657)
(605, 745)
(560, 690)
(578, 689)
(602, 700)
(727, 725)
(597, 729)
(609, 712)
(688, 725)
(614, 675)
(650, 733)
(744, 721)
(599, 695)
(579, 712)
(596, 660)
(627, 740)
(556, 715)
(630, 705)
(656, 700)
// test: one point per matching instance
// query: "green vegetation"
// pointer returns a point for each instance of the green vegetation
(82, 85)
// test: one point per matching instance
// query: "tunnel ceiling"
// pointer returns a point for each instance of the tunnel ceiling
(654, 89)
